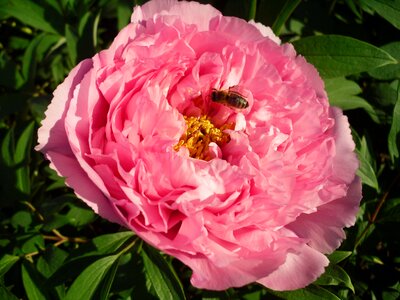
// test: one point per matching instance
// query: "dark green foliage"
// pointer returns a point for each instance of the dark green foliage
(54, 247)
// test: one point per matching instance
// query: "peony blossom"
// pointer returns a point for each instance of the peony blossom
(213, 142)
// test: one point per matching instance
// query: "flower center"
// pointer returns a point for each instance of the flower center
(199, 134)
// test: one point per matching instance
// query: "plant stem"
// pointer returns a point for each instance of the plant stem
(253, 10)
(372, 219)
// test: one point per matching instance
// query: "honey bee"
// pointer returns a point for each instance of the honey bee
(229, 98)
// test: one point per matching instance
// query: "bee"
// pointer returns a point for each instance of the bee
(229, 98)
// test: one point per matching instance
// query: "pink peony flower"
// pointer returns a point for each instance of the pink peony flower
(213, 142)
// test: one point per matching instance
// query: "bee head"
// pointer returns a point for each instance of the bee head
(214, 95)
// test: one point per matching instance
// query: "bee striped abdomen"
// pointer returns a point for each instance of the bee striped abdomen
(229, 98)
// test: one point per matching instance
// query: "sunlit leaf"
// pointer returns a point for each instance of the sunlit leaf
(390, 71)
(337, 56)
(366, 170)
(342, 93)
(6, 262)
(394, 134)
(37, 14)
(338, 256)
(33, 284)
(87, 282)
(162, 277)
(388, 9)
(335, 275)
(286, 10)
(311, 292)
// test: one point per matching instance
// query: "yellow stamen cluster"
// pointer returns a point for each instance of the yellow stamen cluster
(199, 134)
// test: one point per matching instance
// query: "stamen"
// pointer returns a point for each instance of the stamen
(199, 134)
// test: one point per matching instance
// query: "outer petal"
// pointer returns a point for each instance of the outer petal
(324, 227)
(54, 143)
(189, 12)
(266, 31)
(299, 270)
(52, 135)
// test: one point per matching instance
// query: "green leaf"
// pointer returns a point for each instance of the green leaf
(22, 156)
(283, 15)
(387, 9)
(87, 282)
(33, 284)
(50, 261)
(338, 256)
(10, 75)
(37, 14)
(6, 262)
(252, 10)
(31, 242)
(21, 218)
(88, 252)
(5, 294)
(103, 244)
(338, 56)
(162, 277)
(311, 292)
(394, 133)
(87, 35)
(389, 72)
(342, 93)
(7, 148)
(366, 170)
(335, 275)
(23, 145)
(123, 13)
(11, 103)
(72, 43)
(108, 281)
(391, 212)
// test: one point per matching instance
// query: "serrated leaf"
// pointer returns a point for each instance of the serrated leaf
(338, 56)
(163, 279)
(389, 72)
(6, 262)
(342, 93)
(394, 133)
(86, 283)
(311, 292)
(335, 275)
(388, 9)
(338, 256)
(34, 288)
